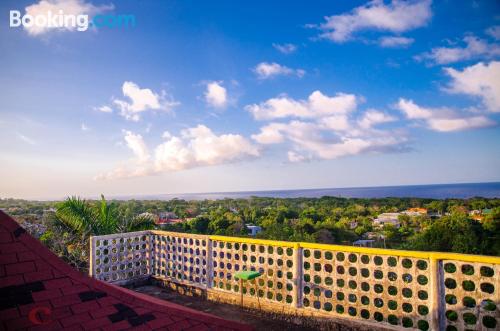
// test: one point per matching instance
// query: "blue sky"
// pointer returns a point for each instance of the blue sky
(224, 96)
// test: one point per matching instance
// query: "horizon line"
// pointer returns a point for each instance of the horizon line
(143, 196)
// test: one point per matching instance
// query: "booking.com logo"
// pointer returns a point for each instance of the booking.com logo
(80, 22)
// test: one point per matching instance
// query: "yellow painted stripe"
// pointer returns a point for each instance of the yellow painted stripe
(254, 241)
(179, 234)
(403, 253)
(341, 248)
(466, 257)
(366, 250)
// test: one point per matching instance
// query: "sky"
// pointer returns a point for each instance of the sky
(231, 96)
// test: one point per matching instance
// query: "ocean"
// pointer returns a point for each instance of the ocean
(436, 191)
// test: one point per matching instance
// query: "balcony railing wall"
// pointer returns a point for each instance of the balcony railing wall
(414, 290)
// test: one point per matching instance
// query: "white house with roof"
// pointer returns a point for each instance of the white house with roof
(253, 229)
(364, 243)
(387, 218)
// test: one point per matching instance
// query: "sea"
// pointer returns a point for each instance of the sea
(435, 191)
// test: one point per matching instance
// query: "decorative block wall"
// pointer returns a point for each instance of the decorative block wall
(120, 258)
(399, 289)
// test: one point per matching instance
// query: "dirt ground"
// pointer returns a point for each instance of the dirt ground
(260, 320)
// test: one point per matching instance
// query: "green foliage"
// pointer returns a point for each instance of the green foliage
(69, 228)
(86, 218)
(47, 237)
(326, 220)
(199, 224)
(456, 233)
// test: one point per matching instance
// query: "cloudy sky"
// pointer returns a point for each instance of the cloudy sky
(221, 96)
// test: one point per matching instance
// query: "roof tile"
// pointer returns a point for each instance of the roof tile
(40, 292)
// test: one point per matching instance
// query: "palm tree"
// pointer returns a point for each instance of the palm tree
(86, 219)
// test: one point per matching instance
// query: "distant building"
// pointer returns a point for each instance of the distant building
(415, 211)
(364, 243)
(167, 217)
(373, 235)
(169, 221)
(387, 218)
(477, 217)
(253, 229)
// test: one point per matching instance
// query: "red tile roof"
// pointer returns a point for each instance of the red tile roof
(38, 291)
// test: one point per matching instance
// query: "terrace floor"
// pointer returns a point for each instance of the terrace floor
(260, 320)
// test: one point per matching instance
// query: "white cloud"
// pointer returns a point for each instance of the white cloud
(327, 128)
(413, 111)
(442, 119)
(104, 109)
(459, 124)
(317, 105)
(353, 146)
(265, 70)
(285, 48)
(397, 16)
(270, 134)
(166, 135)
(336, 122)
(138, 166)
(393, 42)
(136, 143)
(299, 132)
(84, 127)
(311, 140)
(373, 117)
(494, 32)
(474, 48)
(199, 146)
(278, 108)
(480, 80)
(26, 139)
(195, 147)
(68, 7)
(216, 95)
(295, 157)
(141, 100)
